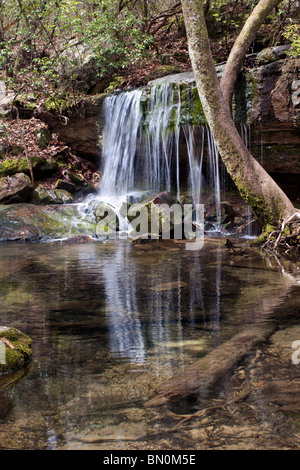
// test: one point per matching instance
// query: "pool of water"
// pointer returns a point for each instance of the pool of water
(109, 321)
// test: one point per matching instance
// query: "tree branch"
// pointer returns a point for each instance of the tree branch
(242, 44)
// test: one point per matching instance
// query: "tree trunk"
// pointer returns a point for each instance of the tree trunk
(257, 188)
(199, 379)
(241, 46)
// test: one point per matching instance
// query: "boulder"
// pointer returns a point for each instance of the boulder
(153, 216)
(43, 137)
(271, 54)
(15, 350)
(14, 189)
(65, 185)
(107, 219)
(6, 100)
(44, 195)
(76, 178)
(40, 166)
(21, 222)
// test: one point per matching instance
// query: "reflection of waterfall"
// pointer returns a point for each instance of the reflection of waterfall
(125, 332)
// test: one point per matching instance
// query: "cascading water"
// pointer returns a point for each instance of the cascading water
(126, 131)
(155, 132)
(195, 163)
(142, 139)
(122, 119)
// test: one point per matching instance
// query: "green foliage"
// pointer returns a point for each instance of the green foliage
(292, 34)
(49, 40)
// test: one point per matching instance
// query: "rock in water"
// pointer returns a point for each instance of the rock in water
(15, 350)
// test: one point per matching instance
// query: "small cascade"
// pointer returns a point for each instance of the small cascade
(122, 120)
(143, 137)
(161, 141)
(126, 131)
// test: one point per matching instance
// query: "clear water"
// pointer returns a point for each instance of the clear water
(109, 321)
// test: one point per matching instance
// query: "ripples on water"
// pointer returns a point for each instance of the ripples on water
(109, 321)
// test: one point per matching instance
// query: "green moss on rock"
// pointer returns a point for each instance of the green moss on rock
(43, 137)
(162, 71)
(9, 167)
(117, 82)
(18, 357)
(43, 195)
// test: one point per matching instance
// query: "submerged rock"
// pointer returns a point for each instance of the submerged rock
(15, 350)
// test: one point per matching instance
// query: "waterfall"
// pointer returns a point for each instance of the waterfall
(142, 139)
(126, 131)
(122, 119)
(195, 163)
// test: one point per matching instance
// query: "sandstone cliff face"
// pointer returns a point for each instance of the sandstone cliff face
(80, 127)
(267, 100)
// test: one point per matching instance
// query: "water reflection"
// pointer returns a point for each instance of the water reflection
(111, 320)
(124, 326)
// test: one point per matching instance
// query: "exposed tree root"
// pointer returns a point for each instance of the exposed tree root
(287, 238)
(199, 414)
(198, 379)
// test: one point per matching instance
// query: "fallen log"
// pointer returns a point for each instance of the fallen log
(198, 379)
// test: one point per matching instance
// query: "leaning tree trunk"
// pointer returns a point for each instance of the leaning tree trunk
(257, 188)
(241, 46)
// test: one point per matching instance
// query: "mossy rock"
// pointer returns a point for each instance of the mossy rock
(114, 84)
(40, 166)
(65, 185)
(43, 195)
(43, 137)
(271, 54)
(63, 196)
(46, 222)
(16, 150)
(162, 71)
(76, 177)
(106, 218)
(19, 356)
(9, 167)
(3, 151)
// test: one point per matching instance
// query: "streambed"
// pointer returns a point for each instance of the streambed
(110, 320)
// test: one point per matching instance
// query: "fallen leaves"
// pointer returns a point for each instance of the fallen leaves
(11, 137)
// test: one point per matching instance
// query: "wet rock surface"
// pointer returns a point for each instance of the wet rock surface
(33, 222)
